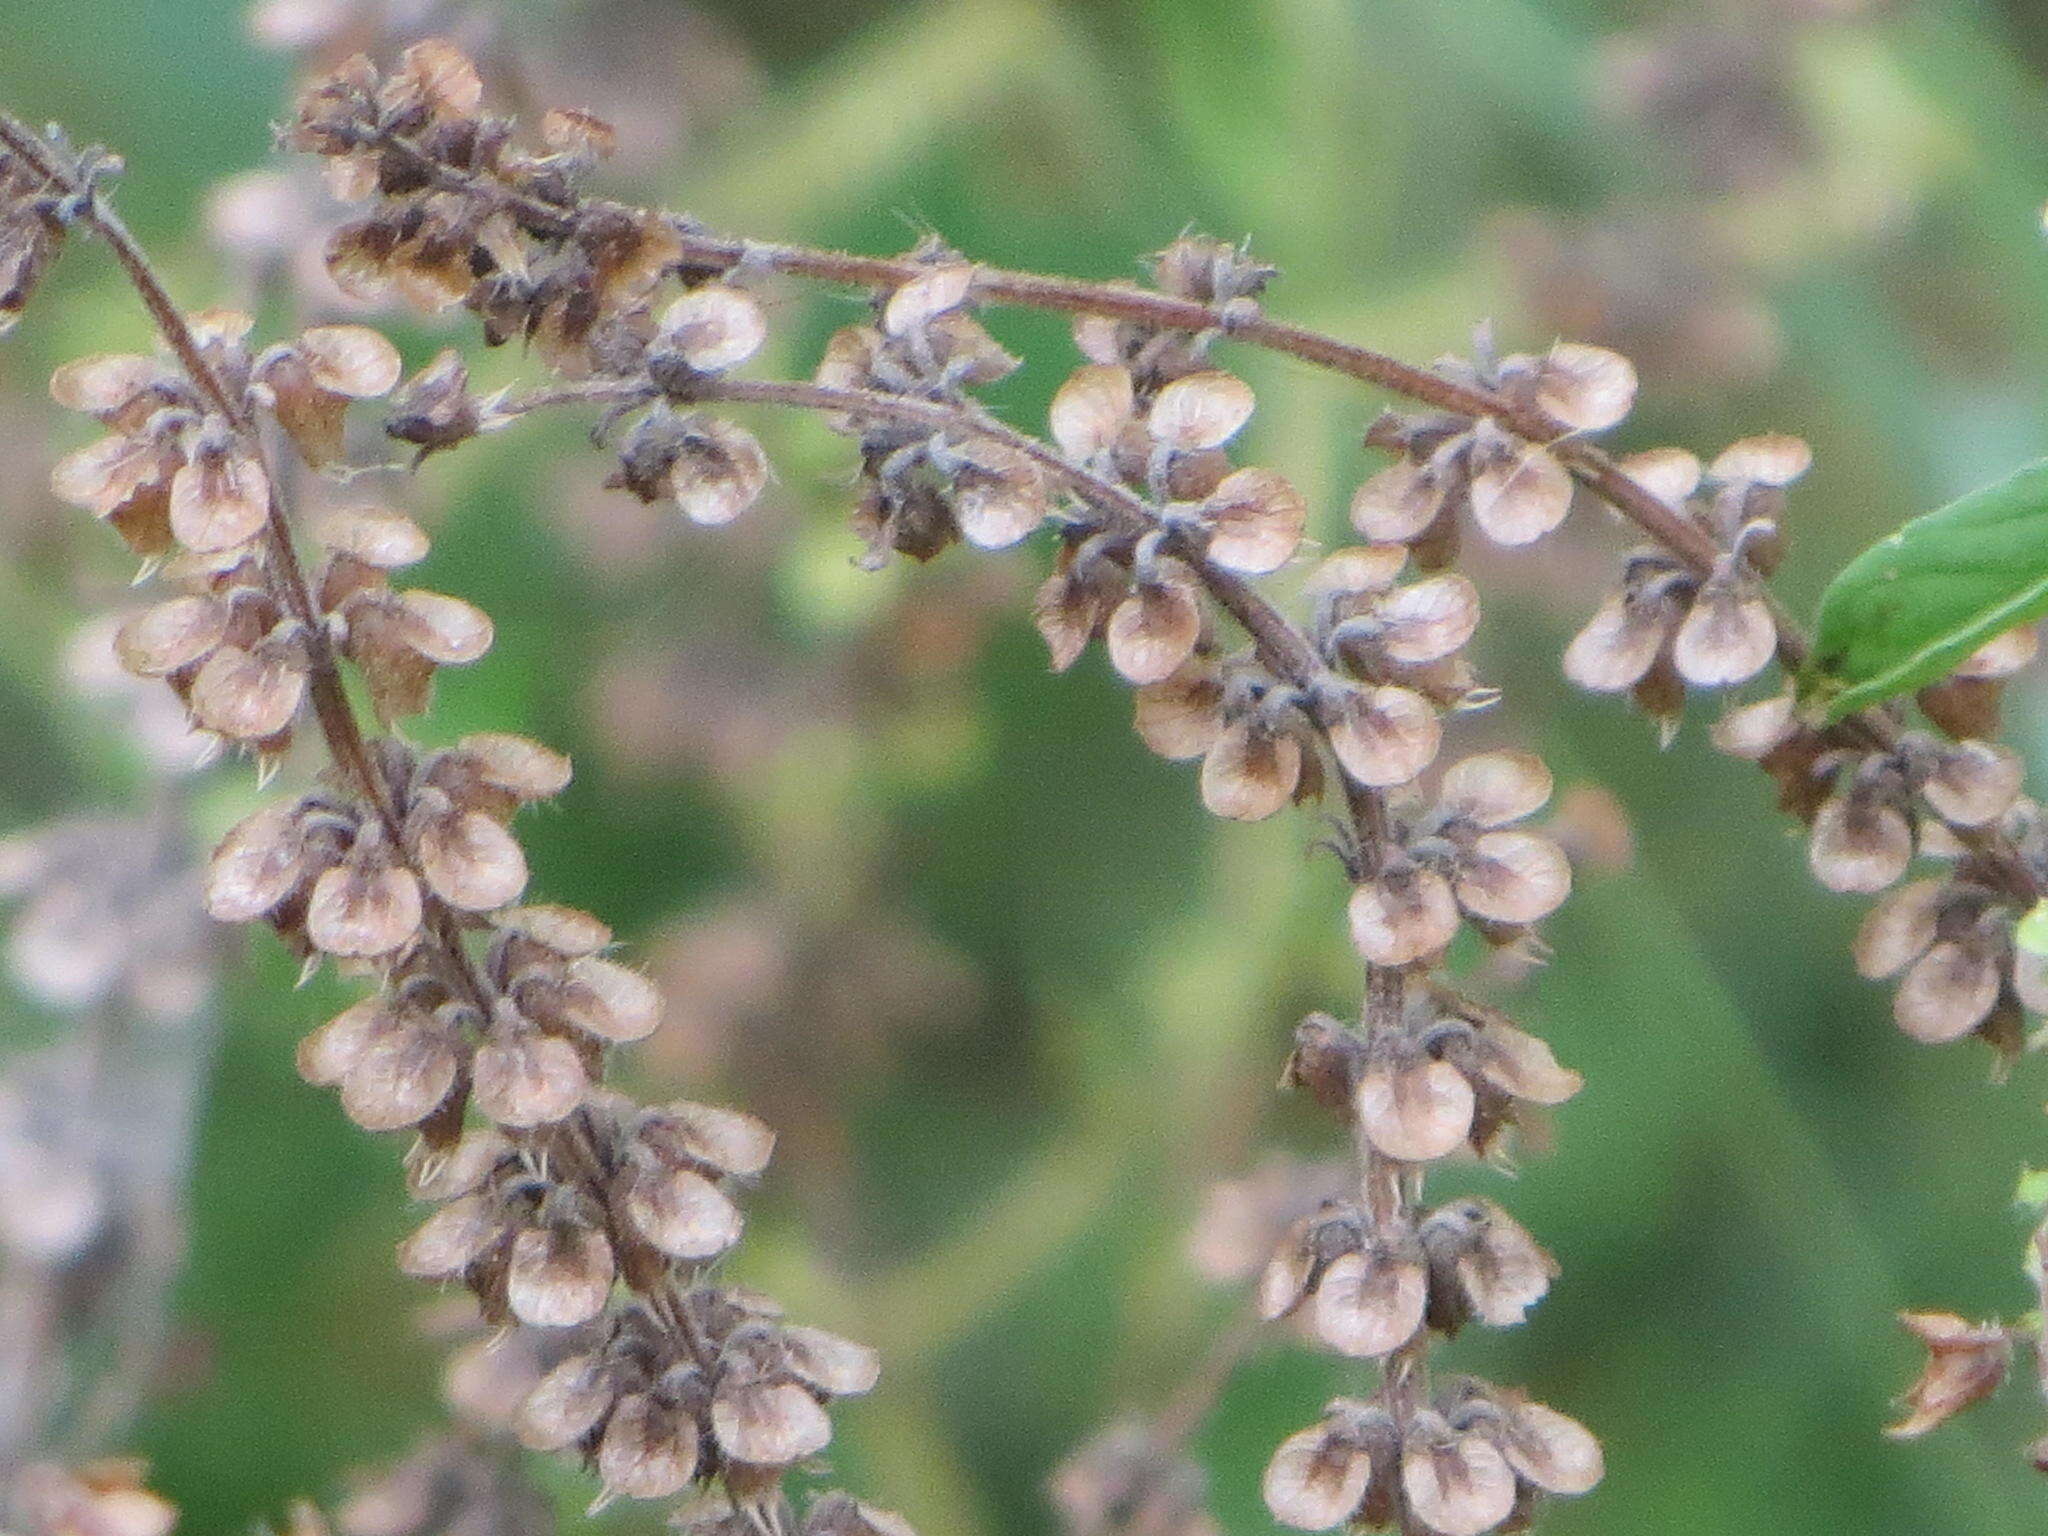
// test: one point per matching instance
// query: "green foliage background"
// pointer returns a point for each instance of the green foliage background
(1760, 1169)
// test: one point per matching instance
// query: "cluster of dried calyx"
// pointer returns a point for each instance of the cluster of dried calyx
(1160, 536)
(491, 1019)
(558, 1202)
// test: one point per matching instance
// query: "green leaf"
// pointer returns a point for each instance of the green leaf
(1912, 607)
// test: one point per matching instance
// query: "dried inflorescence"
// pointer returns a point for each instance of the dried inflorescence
(559, 1204)
(1160, 531)
(490, 1023)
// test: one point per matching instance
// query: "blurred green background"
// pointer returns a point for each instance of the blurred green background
(1013, 1000)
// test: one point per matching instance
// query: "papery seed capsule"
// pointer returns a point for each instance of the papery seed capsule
(1523, 1066)
(448, 1242)
(559, 1276)
(833, 1365)
(470, 861)
(1090, 411)
(1669, 474)
(1519, 494)
(1181, 717)
(720, 472)
(1588, 388)
(1369, 1304)
(729, 1140)
(405, 1068)
(1318, 1477)
(569, 1402)
(681, 1212)
(1492, 789)
(1771, 459)
(1949, 991)
(1899, 928)
(1974, 783)
(1250, 772)
(1427, 620)
(1153, 631)
(1404, 914)
(768, 1424)
(524, 1079)
(609, 1000)
(1398, 504)
(1200, 410)
(1415, 1110)
(1456, 1485)
(359, 910)
(1860, 844)
(1255, 519)
(248, 696)
(1552, 1450)
(649, 1449)
(916, 303)
(257, 865)
(379, 538)
(1513, 877)
(1727, 637)
(714, 326)
(1382, 736)
(1619, 645)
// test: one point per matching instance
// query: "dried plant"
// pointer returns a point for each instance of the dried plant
(563, 1205)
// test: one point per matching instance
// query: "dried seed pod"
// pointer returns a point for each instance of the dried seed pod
(313, 380)
(1518, 491)
(1966, 1363)
(261, 861)
(681, 1212)
(1255, 520)
(1483, 1263)
(1181, 716)
(559, 1275)
(1370, 1303)
(567, 1404)
(1492, 789)
(1091, 410)
(1587, 388)
(1861, 843)
(524, 1078)
(1199, 411)
(720, 471)
(1949, 991)
(1319, 1477)
(1400, 503)
(467, 858)
(1973, 783)
(402, 1070)
(1620, 644)
(1455, 1484)
(1550, 1449)
(1250, 771)
(1381, 736)
(1727, 637)
(1412, 1107)
(1153, 631)
(835, 1366)
(649, 1449)
(1404, 914)
(250, 695)
(768, 1423)
(1513, 877)
(454, 1238)
(364, 908)
(713, 327)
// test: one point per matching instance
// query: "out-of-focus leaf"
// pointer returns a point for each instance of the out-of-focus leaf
(1910, 608)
